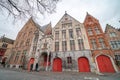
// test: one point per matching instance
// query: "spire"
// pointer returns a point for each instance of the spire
(65, 12)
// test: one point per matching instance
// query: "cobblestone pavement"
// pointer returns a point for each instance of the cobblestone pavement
(13, 74)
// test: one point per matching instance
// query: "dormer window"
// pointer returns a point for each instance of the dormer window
(113, 34)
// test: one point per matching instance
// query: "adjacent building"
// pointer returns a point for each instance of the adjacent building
(22, 45)
(6, 45)
(113, 36)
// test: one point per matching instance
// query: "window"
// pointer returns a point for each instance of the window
(56, 46)
(80, 44)
(57, 35)
(78, 31)
(90, 31)
(71, 33)
(117, 57)
(27, 42)
(113, 34)
(63, 26)
(17, 56)
(64, 34)
(72, 45)
(114, 44)
(24, 52)
(97, 30)
(64, 45)
(69, 60)
(101, 42)
(36, 38)
(69, 25)
(23, 56)
(93, 43)
(119, 44)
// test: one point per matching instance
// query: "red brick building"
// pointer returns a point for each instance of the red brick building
(101, 52)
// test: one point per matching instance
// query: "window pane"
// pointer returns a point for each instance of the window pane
(78, 31)
(71, 33)
(90, 31)
(64, 45)
(57, 35)
(93, 43)
(72, 45)
(97, 30)
(80, 44)
(56, 46)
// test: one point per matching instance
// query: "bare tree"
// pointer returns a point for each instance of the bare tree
(25, 8)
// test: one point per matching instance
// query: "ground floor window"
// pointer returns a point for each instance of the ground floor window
(117, 59)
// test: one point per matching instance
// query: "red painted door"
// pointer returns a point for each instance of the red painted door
(83, 65)
(30, 62)
(105, 64)
(57, 65)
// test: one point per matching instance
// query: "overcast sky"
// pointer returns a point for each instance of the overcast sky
(106, 11)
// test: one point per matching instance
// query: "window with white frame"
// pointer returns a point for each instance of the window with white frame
(80, 44)
(64, 45)
(57, 35)
(78, 31)
(101, 42)
(93, 43)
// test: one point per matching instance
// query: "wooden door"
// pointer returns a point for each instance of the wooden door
(105, 64)
(83, 65)
(57, 65)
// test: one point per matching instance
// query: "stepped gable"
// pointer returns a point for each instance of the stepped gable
(90, 20)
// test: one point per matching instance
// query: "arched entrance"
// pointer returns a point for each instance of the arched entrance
(43, 59)
(83, 64)
(104, 64)
(57, 65)
(30, 64)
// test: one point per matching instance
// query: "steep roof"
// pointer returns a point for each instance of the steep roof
(110, 27)
(47, 29)
(64, 17)
(7, 40)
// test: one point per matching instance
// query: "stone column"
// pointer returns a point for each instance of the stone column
(47, 60)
